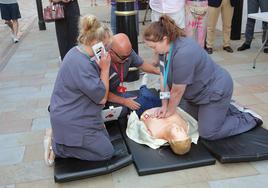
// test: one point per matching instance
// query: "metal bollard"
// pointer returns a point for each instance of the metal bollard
(41, 22)
(126, 23)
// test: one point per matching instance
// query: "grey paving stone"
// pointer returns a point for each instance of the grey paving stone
(21, 139)
(95, 182)
(10, 156)
(34, 152)
(127, 177)
(41, 124)
(51, 74)
(19, 91)
(7, 107)
(259, 181)
(25, 172)
(8, 186)
(35, 64)
(261, 166)
(9, 84)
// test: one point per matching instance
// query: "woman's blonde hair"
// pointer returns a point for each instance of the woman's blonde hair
(166, 26)
(92, 29)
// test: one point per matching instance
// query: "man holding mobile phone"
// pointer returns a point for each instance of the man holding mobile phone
(122, 58)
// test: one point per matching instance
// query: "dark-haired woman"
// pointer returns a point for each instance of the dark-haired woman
(67, 28)
(188, 72)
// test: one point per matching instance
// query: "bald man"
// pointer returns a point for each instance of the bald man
(123, 57)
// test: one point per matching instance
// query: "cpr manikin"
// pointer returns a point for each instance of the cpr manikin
(174, 129)
(155, 132)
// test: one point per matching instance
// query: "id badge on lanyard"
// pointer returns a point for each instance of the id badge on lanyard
(121, 88)
(166, 94)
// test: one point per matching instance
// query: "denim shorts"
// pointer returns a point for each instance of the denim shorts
(10, 11)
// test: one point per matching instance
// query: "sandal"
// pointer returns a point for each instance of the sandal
(49, 155)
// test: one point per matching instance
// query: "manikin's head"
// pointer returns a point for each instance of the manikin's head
(179, 142)
(121, 48)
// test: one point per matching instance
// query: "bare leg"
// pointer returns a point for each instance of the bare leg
(15, 27)
(10, 25)
(49, 154)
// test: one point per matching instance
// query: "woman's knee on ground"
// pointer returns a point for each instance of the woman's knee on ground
(209, 132)
(100, 146)
(210, 136)
(105, 151)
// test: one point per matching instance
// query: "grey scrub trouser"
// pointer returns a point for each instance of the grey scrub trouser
(96, 147)
(220, 119)
(253, 7)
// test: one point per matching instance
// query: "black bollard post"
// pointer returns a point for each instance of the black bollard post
(237, 20)
(126, 23)
(41, 22)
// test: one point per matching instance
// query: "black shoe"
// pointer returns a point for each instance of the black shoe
(243, 47)
(209, 50)
(265, 50)
(228, 49)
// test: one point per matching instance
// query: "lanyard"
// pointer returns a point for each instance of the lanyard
(121, 73)
(83, 50)
(166, 68)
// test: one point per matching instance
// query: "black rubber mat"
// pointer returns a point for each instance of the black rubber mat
(248, 146)
(149, 161)
(70, 169)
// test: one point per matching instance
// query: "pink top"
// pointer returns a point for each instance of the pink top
(167, 6)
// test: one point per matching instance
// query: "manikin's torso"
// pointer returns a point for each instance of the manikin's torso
(171, 128)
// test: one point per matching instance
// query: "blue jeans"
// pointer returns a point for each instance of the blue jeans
(253, 7)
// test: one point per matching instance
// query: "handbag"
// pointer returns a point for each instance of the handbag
(53, 12)
(198, 10)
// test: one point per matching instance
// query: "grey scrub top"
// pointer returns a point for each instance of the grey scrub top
(74, 108)
(190, 65)
(134, 60)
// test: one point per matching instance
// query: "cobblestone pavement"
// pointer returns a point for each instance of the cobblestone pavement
(26, 82)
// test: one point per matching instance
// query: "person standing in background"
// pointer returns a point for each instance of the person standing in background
(253, 7)
(196, 20)
(93, 3)
(171, 8)
(10, 13)
(226, 8)
(67, 28)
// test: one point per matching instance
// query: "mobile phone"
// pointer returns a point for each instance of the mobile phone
(97, 48)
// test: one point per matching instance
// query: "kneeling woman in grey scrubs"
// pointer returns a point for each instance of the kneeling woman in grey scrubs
(79, 94)
(188, 72)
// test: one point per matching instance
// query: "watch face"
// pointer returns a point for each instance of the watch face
(164, 95)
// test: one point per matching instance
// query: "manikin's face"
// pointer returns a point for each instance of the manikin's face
(177, 132)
